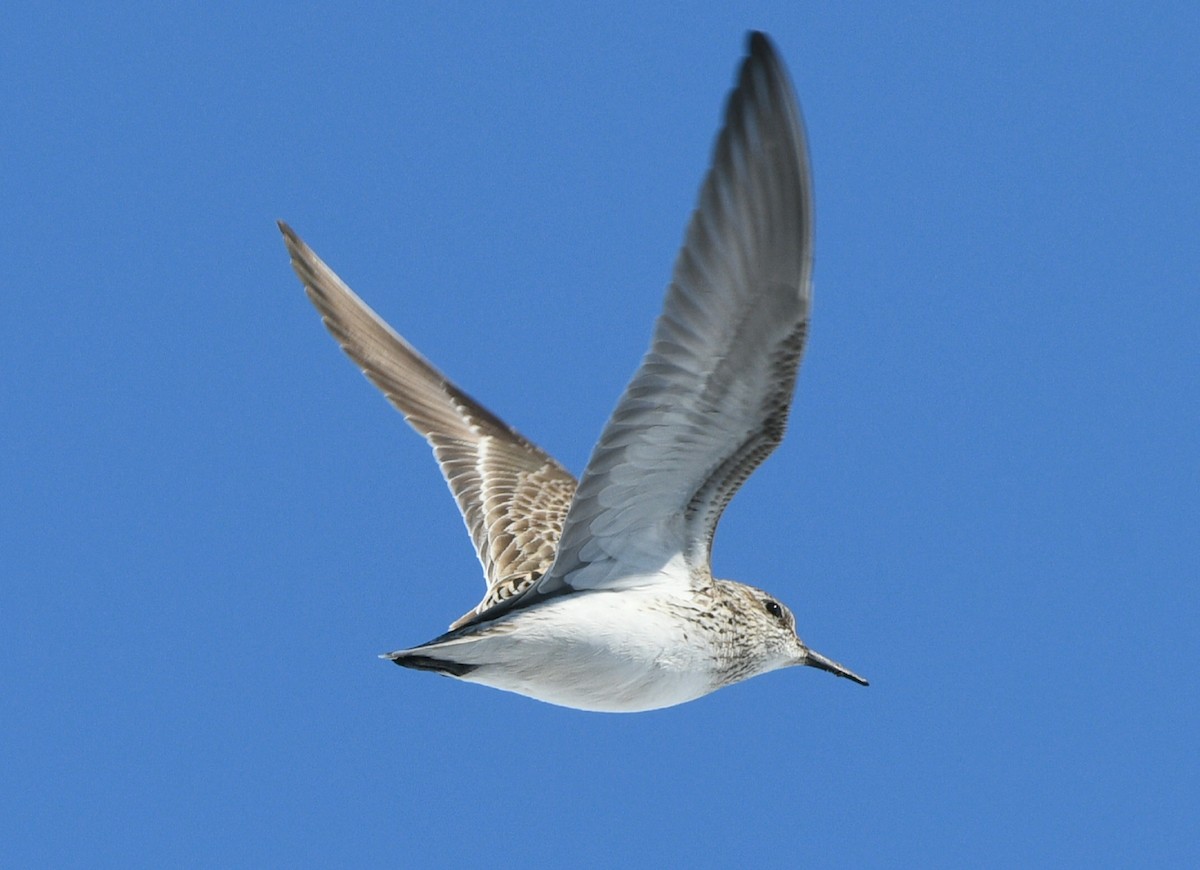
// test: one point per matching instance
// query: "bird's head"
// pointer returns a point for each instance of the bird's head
(783, 647)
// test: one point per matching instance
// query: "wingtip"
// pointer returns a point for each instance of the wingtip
(297, 250)
(758, 44)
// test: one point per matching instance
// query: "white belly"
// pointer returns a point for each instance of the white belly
(606, 651)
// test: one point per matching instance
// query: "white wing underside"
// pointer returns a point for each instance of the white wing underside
(710, 400)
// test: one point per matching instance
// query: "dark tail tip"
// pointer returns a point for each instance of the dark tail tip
(429, 663)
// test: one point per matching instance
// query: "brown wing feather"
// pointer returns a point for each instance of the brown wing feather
(512, 494)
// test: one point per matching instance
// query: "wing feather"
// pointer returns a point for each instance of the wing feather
(711, 398)
(513, 496)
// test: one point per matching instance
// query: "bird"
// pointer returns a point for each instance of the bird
(600, 594)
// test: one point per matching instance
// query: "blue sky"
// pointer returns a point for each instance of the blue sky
(987, 502)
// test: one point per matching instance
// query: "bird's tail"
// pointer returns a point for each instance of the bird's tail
(420, 660)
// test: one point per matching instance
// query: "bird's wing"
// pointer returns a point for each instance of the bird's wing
(513, 496)
(710, 400)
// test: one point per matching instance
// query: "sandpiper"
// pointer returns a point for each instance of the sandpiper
(599, 593)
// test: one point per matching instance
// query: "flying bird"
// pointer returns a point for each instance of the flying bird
(600, 594)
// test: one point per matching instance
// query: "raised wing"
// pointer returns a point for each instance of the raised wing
(710, 400)
(513, 496)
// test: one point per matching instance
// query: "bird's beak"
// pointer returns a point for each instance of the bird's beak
(814, 659)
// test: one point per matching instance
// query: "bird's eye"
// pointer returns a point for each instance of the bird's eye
(773, 608)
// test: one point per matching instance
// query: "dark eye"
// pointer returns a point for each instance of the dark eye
(773, 608)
